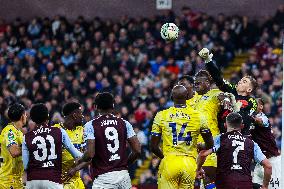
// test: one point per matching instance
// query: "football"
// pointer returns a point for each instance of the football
(169, 31)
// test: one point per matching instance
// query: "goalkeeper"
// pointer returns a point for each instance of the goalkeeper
(243, 90)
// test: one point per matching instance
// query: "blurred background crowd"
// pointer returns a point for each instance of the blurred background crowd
(55, 60)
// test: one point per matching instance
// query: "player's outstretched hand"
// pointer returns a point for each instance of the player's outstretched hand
(205, 55)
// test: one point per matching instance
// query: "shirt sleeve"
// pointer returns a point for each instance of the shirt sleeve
(204, 124)
(25, 154)
(252, 104)
(258, 155)
(264, 118)
(10, 138)
(157, 125)
(69, 146)
(130, 131)
(216, 143)
(89, 133)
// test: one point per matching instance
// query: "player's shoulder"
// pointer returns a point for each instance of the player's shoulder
(57, 125)
(253, 102)
(124, 121)
(191, 111)
(8, 128)
(215, 91)
(93, 122)
(165, 111)
(252, 99)
(89, 123)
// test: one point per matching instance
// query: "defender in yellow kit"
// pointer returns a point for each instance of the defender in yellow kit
(73, 126)
(179, 127)
(11, 138)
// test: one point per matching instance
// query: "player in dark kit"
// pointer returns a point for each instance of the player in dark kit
(42, 151)
(263, 136)
(243, 90)
(235, 153)
(106, 137)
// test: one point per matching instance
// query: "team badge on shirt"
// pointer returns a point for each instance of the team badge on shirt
(11, 136)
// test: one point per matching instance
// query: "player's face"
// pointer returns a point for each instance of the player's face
(244, 85)
(78, 117)
(201, 85)
(24, 118)
(187, 85)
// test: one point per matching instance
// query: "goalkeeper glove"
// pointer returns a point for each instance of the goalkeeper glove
(205, 55)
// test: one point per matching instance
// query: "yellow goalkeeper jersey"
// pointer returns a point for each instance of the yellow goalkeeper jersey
(180, 128)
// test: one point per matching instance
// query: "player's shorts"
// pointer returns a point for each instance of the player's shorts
(43, 184)
(113, 180)
(74, 183)
(177, 172)
(276, 173)
(12, 182)
(211, 161)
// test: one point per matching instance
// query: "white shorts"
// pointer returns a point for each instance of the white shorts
(113, 180)
(43, 184)
(276, 173)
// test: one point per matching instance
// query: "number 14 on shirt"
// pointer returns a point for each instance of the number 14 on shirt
(180, 136)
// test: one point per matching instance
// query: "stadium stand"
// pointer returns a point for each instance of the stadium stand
(53, 60)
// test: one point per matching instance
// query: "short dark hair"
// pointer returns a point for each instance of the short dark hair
(204, 73)
(235, 120)
(253, 82)
(39, 113)
(68, 108)
(261, 101)
(187, 77)
(15, 112)
(104, 101)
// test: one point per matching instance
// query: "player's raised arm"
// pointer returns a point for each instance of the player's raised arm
(133, 143)
(214, 71)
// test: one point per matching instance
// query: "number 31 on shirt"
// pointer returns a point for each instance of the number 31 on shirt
(180, 136)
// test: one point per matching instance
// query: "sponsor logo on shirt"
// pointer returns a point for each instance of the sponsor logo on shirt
(244, 103)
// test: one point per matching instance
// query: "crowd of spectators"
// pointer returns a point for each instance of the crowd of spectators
(55, 60)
